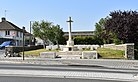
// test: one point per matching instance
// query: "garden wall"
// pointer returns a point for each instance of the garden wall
(128, 48)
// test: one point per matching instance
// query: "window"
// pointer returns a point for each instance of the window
(17, 34)
(7, 32)
(20, 34)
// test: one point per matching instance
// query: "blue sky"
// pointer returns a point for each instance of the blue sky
(85, 13)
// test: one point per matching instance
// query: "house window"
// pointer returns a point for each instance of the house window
(7, 32)
(17, 34)
(20, 34)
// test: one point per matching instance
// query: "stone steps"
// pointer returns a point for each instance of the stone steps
(70, 53)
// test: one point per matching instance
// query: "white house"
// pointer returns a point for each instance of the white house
(9, 31)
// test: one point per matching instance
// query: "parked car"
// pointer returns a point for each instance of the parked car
(6, 43)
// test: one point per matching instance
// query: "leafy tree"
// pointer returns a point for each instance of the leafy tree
(58, 35)
(48, 32)
(124, 24)
(100, 32)
(42, 30)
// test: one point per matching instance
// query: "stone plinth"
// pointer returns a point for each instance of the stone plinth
(48, 54)
(129, 51)
(70, 43)
(89, 55)
(70, 54)
(70, 48)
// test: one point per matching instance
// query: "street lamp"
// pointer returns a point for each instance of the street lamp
(30, 33)
(23, 41)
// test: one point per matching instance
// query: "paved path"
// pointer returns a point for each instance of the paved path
(70, 74)
(129, 65)
(126, 64)
(25, 70)
(47, 79)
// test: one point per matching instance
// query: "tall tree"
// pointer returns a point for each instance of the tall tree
(48, 32)
(58, 34)
(42, 30)
(100, 34)
(124, 24)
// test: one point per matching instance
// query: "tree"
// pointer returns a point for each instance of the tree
(42, 30)
(100, 32)
(58, 35)
(48, 32)
(124, 24)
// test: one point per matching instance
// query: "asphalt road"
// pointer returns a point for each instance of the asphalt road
(74, 68)
(40, 73)
(46, 79)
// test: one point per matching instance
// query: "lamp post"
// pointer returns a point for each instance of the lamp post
(23, 42)
(30, 33)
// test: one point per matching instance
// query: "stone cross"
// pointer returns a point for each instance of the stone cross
(69, 21)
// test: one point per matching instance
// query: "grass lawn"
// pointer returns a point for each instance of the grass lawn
(36, 52)
(103, 52)
(110, 53)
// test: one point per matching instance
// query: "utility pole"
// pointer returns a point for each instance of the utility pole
(23, 42)
(30, 41)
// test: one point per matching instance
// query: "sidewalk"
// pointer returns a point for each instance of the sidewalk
(110, 63)
(107, 63)
(71, 74)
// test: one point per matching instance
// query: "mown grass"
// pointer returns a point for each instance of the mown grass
(104, 53)
(110, 53)
(36, 52)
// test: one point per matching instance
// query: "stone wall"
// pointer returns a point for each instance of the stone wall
(79, 47)
(115, 47)
(128, 48)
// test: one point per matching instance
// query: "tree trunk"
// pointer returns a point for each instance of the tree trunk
(44, 44)
(57, 44)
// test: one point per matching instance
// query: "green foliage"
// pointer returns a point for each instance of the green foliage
(58, 35)
(42, 30)
(47, 31)
(100, 32)
(124, 24)
(103, 36)
(84, 40)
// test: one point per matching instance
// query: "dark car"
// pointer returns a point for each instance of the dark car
(6, 43)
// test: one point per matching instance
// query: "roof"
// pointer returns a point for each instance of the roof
(6, 25)
(80, 33)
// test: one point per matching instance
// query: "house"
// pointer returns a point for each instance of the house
(10, 32)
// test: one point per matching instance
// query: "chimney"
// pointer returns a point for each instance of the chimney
(3, 19)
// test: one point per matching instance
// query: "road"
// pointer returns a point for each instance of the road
(58, 73)
(46, 79)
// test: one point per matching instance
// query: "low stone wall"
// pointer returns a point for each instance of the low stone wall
(115, 47)
(71, 55)
(89, 55)
(79, 47)
(128, 48)
(48, 54)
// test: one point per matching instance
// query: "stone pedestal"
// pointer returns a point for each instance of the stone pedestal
(70, 43)
(70, 48)
(48, 54)
(129, 51)
(89, 55)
